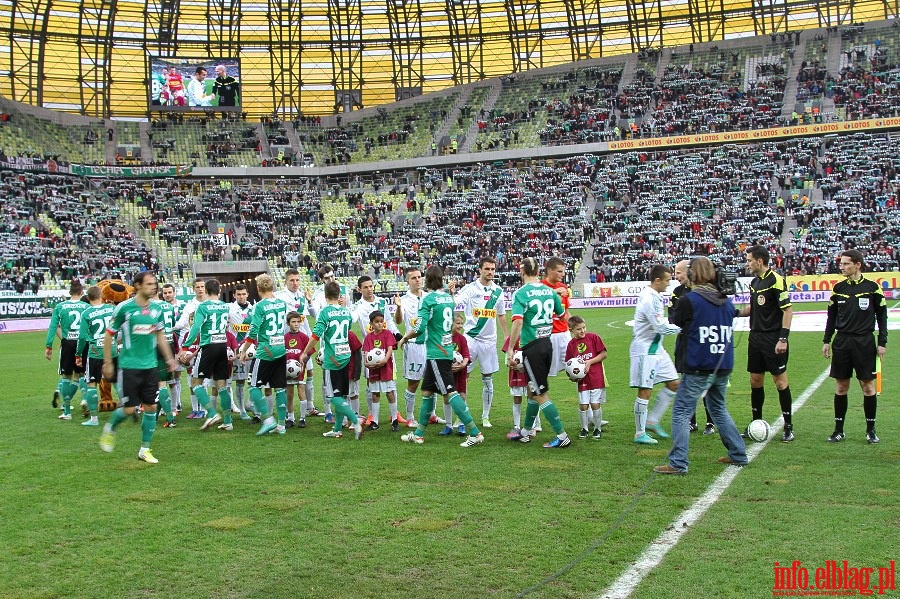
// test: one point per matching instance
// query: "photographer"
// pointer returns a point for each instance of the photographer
(705, 357)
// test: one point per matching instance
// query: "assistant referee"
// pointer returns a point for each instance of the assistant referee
(856, 306)
(770, 315)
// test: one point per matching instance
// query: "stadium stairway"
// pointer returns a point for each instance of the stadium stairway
(113, 144)
(833, 64)
(631, 66)
(455, 111)
(292, 136)
(143, 129)
(583, 275)
(489, 102)
(665, 56)
(266, 150)
(790, 88)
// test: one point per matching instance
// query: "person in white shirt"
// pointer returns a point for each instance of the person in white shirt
(650, 364)
(168, 295)
(484, 305)
(182, 326)
(299, 302)
(197, 89)
(368, 303)
(240, 313)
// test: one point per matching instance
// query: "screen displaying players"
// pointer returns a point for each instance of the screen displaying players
(194, 84)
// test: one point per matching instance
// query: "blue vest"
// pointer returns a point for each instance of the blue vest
(709, 342)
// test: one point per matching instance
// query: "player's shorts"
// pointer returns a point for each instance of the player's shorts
(240, 370)
(439, 377)
(647, 370)
(382, 386)
(536, 357)
(336, 383)
(269, 373)
(67, 349)
(138, 386)
(560, 343)
(486, 354)
(94, 371)
(518, 391)
(592, 396)
(413, 361)
(761, 356)
(853, 353)
(212, 362)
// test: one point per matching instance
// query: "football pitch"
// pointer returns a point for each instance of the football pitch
(228, 514)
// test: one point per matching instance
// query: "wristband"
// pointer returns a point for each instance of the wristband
(785, 333)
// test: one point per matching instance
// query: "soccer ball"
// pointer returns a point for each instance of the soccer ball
(293, 369)
(374, 356)
(457, 358)
(758, 430)
(230, 354)
(575, 369)
(517, 358)
(251, 352)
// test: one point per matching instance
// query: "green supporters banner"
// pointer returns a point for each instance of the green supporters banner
(82, 170)
(28, 307)
(22, 163)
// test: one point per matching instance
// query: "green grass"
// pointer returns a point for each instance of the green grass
(231, 515)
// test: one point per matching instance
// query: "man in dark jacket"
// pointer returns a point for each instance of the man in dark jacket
(704, 356)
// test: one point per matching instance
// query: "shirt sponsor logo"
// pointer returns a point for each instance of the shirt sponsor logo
(484, 313)
(240, 328)
(142, 329)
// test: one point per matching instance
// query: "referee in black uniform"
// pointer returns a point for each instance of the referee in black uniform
(225, 87)
(770, 315)
(856, 306)
(679, 292)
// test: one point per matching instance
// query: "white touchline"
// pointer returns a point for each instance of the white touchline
(657, 550)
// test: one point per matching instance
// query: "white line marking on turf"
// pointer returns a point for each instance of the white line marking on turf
(657, 550)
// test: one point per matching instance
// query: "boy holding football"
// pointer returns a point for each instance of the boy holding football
(295, 342)
(589, 348)
(381, 372)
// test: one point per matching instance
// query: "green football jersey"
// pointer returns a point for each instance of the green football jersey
(94, 322)
(66, 316)
(333, 328)
(435, 322)
(267, 328)
(536, 304)
(210, 323)
(169, 318)
(138, 327)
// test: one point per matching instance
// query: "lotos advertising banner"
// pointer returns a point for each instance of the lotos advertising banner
(887, 280)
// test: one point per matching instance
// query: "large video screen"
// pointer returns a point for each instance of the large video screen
(194, 84)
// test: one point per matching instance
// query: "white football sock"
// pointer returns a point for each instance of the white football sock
(640, 416)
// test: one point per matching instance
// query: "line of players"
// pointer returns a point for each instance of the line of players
(207, 325)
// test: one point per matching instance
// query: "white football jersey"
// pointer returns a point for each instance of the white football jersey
(482, 307)
(409, 303)
(362, 309)
(650, 324)
(296, 302)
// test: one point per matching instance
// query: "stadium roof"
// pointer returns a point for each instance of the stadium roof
(92, 56)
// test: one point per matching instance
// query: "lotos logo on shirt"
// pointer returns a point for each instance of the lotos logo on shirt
(241, 328)
(582, 347)
(377, 343)
(484, 313)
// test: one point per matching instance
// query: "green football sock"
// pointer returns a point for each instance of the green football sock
(552, 414)
(225, 404)
(531, 412)
(340, 408)
(148, 427)
(117, 417)
(462, 412)
(281, 405)
(69, 389)
(165, 400)
(425, 411)
(82, 386)
(92, 399)
(61, 386)
(260, 405)
(205, 401)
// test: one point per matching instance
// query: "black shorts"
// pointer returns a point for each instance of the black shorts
(336, 382)
(269, 372)
(67, 349)
(851, 353)
(761, 356)
(537, 357)
(439, 377)
(138, 386)
(212, 362)
(94, 371)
